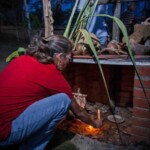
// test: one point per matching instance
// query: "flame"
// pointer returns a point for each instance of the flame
(81, 128)
(90, 127)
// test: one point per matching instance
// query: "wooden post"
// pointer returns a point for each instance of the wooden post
(48, 19)
(116, 31)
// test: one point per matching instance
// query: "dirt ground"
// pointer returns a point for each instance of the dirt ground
(110, 136)
(110, 132)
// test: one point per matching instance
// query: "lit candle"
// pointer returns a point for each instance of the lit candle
(98, 114)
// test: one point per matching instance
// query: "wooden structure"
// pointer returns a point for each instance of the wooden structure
(123, 85)
(122, 82)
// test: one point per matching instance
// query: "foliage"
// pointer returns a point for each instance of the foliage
(35, 21)
(125, 35)
(79, 28)
(80, 25)
(66, 33)
(89, 40)
(18, 52)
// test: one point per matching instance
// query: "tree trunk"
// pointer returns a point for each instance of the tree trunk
(48, 19)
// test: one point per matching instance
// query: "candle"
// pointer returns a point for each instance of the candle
(98, 114)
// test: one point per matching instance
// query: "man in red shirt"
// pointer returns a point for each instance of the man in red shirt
(34, 95)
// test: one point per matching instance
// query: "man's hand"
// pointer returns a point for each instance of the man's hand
(82, 114)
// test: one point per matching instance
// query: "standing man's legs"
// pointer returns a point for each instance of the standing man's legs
(35, 126)
(104, 41)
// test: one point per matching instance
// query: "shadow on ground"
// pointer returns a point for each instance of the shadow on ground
(61, 141)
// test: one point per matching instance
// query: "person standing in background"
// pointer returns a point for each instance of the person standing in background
(97, 24)
(128, 18)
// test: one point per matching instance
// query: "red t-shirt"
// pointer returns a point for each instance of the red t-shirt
(23, 82)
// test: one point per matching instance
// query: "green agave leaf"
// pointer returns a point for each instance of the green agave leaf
(88, 38)
(83, 17)
(15, 54)
(125, 34)
(66, 33)
(21, 49)
(79, 19)
(93, 10)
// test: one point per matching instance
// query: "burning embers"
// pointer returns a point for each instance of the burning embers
(76, 126)
(110, 132)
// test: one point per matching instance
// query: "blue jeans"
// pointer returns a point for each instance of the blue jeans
(103, 40)
(34, 128)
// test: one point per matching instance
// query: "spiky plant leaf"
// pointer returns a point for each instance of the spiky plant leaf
(125, 34)
(79, 19)
(16, 53)
(66, 33)
(92, 11)
(88, 38)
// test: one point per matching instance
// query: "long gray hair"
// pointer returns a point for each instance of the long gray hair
(44, 50)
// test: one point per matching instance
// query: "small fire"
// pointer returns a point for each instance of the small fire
(81, 128)
(90, 128)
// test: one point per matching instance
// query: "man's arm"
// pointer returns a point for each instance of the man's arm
(82, 114)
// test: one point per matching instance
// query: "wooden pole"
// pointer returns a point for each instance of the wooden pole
(116, 31)
(48, 19)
